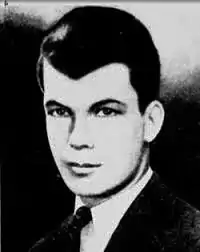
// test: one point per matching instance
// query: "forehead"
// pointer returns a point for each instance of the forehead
(111, 81)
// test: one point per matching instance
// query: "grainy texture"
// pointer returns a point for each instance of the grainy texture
(156, 221)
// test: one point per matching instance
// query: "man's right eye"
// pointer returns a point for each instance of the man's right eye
(58, 112)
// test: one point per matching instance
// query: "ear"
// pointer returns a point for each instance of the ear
(153, 120)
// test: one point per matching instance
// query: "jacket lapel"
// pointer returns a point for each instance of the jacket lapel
(137, 230)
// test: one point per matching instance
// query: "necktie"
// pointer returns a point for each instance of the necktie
(76, 223)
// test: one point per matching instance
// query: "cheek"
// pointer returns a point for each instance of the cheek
(119, 137)
(57, 134)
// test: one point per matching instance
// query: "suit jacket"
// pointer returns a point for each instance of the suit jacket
(156, 221)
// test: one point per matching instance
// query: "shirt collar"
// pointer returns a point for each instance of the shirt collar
(107, 215)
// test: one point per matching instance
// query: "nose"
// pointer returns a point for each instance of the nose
(80, 135)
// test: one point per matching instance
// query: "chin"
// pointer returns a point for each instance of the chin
(94, 192)
(85, 190)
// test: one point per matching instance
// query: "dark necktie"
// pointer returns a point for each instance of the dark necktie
(76, 223)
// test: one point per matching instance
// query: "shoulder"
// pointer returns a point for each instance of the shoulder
(185, 225)
(176, 224)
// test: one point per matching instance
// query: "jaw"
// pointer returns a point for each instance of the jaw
(138, 173)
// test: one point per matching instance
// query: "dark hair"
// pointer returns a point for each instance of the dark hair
(87, 38)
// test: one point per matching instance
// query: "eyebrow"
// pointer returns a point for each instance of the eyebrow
(51, 103)
(106, 102)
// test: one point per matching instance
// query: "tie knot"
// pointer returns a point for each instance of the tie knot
(81, 218)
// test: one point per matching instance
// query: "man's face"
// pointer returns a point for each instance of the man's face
(94, 127)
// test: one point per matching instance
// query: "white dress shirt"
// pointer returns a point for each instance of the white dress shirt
(106, 216)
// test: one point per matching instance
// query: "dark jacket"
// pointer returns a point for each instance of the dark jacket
(156, 221)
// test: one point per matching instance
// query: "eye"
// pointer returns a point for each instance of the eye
(58, 112)
(107, 112)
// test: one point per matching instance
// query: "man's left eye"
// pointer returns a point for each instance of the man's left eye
(105, 112)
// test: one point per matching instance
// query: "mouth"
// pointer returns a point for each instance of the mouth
(81, 170)
(83, 165)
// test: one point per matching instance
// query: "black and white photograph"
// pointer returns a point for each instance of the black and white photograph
(100, 126)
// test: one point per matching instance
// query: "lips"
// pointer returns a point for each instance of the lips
(83, 165)
(81, 170)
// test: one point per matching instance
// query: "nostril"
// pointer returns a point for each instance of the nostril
(79, 147)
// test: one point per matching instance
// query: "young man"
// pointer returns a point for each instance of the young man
(100, 74)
